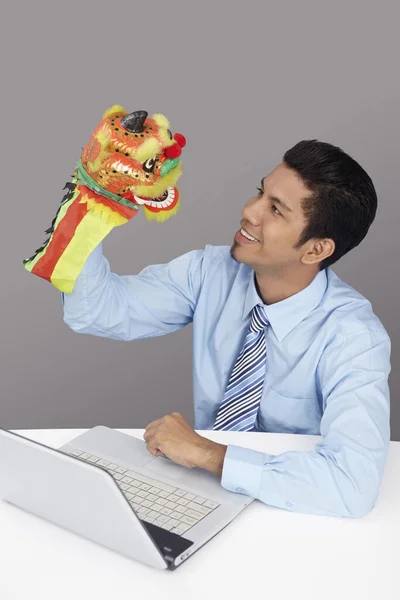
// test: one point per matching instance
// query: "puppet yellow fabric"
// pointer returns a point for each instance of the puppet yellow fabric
(131, 161)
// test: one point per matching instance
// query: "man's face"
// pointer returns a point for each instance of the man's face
(276, 228)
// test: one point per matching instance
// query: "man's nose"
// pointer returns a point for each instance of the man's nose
(252, 211)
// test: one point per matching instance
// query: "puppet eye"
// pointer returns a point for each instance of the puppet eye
(148, 166)
(170, 134)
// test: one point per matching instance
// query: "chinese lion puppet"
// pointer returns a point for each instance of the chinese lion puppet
(131, 161)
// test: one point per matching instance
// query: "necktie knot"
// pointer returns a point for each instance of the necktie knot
(259, 319)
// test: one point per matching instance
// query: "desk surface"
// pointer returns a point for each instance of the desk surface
(265, 552)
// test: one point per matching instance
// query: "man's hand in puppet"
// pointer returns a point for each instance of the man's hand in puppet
(130, 161)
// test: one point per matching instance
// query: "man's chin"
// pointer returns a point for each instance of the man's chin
(234, 248)
(232, 251)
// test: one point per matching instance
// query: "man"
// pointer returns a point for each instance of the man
(280, 343)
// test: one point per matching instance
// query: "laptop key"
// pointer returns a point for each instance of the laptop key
(142, 494)
(194, 514)
(138, 500)
(189, 496)
(173, 522)
(210, 504)
(165, 511)
(161, 519)
(180, 493)
(182, 528)
(172, 505)
(154, 514)
(166, 526)
(161, 501)
(150, 481)
(199, 500)
(121, 470)
(175, 515)
(182, 501)
(181, 509)
(144, 486)
(148, 519)
(163, 494)
(134, 482)
(127, 479)
(143, 510)
(199, 508)
(172, 497)
(188, 520)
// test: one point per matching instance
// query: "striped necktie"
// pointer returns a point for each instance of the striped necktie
(239, 408)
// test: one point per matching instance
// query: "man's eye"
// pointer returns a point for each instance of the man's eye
(260, 191)
(277, 211)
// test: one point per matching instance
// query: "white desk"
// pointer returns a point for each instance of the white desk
(266, 552)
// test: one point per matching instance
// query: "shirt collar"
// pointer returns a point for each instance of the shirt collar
(286, 314)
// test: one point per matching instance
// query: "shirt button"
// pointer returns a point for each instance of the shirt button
(288, 504)
(240, 490)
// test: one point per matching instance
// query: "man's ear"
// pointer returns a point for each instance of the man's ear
(318, 250)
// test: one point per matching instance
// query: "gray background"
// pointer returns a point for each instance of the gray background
(243, 83)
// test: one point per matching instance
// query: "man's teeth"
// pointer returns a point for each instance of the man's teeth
(247, 235)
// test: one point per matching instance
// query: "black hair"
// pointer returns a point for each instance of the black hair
(343, 200)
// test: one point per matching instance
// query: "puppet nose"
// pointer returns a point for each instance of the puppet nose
(134, 122)
(168, 165)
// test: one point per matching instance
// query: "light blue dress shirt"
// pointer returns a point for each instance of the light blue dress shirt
(328, 362)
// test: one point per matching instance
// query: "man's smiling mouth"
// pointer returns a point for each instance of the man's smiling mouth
(248, 236)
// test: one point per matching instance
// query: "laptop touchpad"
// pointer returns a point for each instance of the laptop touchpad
(164, 466)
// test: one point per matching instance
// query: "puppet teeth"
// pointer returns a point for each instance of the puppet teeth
(160, 204)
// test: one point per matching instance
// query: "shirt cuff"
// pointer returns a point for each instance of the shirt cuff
(242, 470)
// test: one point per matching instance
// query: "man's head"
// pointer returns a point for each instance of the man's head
(309, 211)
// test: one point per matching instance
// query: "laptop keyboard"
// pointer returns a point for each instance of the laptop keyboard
(153, 501)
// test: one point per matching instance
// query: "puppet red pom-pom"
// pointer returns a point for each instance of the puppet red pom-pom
(178, 137)
(173, 151)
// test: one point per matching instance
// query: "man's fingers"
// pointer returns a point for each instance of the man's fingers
(152, 447)
(151, 429)
(155, 423)
(155, 452)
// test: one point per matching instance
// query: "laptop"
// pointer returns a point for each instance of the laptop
(107, 487)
